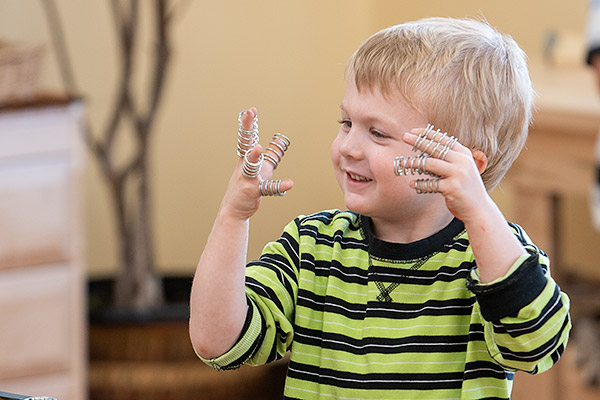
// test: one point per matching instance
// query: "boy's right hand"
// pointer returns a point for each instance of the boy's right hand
(242, 197)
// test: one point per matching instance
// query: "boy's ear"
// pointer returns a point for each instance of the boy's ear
(480, 160)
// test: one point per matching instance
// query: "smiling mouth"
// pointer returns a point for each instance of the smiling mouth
(359, 178)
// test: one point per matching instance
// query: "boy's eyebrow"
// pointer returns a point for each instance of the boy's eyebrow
(379, 118)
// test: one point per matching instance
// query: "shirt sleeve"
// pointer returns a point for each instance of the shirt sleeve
(271, 291)
(525, 314)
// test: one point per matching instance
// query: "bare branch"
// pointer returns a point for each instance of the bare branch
(60, 46)
(161, 61)
(126, 27)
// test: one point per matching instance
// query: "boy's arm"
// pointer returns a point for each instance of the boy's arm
(494, 245)
(525, 316)
(218, 305)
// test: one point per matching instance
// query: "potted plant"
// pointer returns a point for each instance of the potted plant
(138, 287)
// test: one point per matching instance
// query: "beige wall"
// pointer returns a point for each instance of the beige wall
(284, 57)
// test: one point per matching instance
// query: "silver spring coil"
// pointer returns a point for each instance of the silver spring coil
(247, 139)
(270, 188)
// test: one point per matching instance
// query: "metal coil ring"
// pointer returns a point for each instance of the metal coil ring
(270, 188)
(247, 138)
(411, 165)
(424, 186)
(277, 148)
(432, 140)
(449, 145)
(251, 169)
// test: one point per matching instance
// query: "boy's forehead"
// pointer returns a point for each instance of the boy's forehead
(374, 104)
(372, 94)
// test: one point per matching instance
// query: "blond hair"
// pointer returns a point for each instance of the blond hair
(463, 75)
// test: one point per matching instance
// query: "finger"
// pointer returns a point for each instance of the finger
(252, 163)
(437, 144)
(267, 169)
(248, 118)
(276, 149)
(426, 186)
(274, 187)
(247, 131)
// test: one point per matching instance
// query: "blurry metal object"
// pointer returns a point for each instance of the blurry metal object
(13, 396)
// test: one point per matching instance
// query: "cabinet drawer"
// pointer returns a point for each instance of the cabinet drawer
(46, 129)
(36, 314)
(35, 221)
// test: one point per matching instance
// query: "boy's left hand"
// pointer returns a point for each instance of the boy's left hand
(459, 173)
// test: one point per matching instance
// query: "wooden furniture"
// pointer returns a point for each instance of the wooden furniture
(558, 161)
(42, 301)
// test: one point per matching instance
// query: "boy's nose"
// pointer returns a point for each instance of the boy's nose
(350, 145)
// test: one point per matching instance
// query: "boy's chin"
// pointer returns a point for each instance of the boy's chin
(357, 207)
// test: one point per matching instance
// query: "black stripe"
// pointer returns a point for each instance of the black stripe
(523, 328)
(484, 369)
(381, 381)
(391, 310)
(237, 363)
(347, 274)
(476, 333)
(328, 240)
(277, 264)
(291, 247)
(510, 295)
(388, 274)
(521, 236)
(264, 291)
(327, 218)
(538, 353)
(376, 345)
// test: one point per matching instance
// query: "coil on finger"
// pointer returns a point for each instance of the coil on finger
(247, 138)
(277, 148)
(270, 188)
(421, 138)
(251, 169)
(430, 185)
(411, 165)
(447, 147)
(441, 142)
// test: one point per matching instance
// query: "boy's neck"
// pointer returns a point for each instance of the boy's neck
(408, 231)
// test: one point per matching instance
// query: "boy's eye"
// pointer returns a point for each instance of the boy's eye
(377, 134)
(346, 123)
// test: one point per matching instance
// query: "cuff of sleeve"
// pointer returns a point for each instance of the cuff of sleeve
(244, 348)
(507, 295)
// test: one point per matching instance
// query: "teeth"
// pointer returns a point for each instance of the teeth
(359, 178)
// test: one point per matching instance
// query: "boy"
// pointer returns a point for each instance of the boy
(409, 294)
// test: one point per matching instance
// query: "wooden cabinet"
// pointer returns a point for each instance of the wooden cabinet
(42, 296)
(558, 161)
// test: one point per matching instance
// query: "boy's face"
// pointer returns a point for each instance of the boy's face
(369, 139)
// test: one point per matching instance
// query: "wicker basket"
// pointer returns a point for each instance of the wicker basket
(20, 67)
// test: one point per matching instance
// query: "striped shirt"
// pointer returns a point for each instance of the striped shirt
(368, 319)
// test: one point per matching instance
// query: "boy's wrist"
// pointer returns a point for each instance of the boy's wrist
(484, 212)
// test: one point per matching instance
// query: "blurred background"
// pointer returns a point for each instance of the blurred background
(286, 58)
